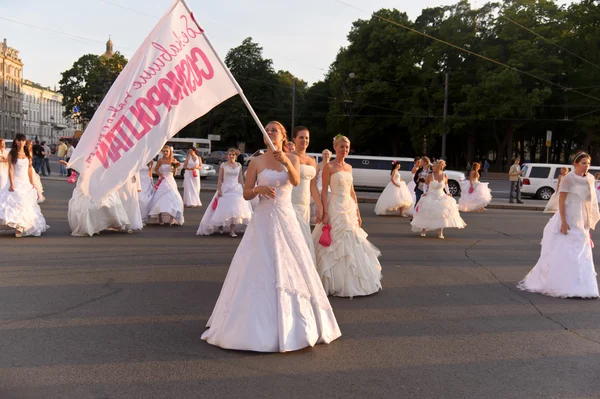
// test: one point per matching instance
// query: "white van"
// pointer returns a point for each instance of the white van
(539, 180)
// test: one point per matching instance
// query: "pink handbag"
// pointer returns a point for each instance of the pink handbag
(215, 203)
(325, 239)
(195, 173)
(73, 178)
(470, 190)
(158, 183)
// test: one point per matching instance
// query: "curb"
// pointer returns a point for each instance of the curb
(513, 207)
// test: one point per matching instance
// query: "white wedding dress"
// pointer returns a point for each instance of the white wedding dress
(19, 209)
(87, 217)
(166, 198)
(191, 185)
(301, 202)
(478, 199)
(272, 299)
(394, 198)
(349, 266)
(145, 197)
(313, 205)
(128, 193)
(436, 210)
(232, 208)
(4, 170)
(565, 267)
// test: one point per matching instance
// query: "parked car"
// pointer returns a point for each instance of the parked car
(205, 171)
(374, 172)
(216, 157)
(539, 180)
(251, 157)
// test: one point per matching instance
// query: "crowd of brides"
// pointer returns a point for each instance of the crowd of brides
(274, 297)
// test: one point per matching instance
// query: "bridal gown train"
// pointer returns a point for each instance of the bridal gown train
(349, 266)
(272, 299)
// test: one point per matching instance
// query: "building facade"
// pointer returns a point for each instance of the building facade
(11, 77)
(43, 114)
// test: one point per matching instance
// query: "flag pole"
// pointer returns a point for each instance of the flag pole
(235, 83)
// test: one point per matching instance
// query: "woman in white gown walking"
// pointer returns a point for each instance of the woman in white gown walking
(166, 206)
(3, 164)
(19, 209)
(129, 195)
(436, 209)
(474, 195)
(349, 266)
(191, 179)
(232, 210)
(87, 217)
(395, 196)
(307, 189)
(565, 268)
(272, 299)
(412, 185)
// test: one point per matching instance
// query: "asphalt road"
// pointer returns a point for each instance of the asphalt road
(120, 316)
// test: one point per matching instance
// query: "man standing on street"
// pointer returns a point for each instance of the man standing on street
(46, 164)
(514, 175)
(38, 157)
(61, 151)
(486, 167)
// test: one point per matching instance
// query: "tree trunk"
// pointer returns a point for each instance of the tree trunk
(509, 144)
(588, 140)
(533, 148)
(522, 149)
(471, 146)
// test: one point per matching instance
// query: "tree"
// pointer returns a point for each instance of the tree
(88, 81)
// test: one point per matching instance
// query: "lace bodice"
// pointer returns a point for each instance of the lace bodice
(230, 175)
(397, 178)
(436, 188)
(165, 170)
(341, 183)
(278, 180)
(581, 204)
(301, 193)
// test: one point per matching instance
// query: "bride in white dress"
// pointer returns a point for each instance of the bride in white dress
(395, 196)
(166, 206)
(565, 268)
(87, 217)
(147, 184)
(272, 299)
(19, 209)
(129, 195)
(191, 179)
(233, 211)
(307, 189)
(412, 185)
(3, 164)
(474, 195)
(349, 266)
(552, 205)
(437, 209)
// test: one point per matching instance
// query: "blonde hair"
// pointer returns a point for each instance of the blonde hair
(283, 131)
(170, 151)
(426, 160)
(340, 137)
(326, 151)
(597, 176)
(234, 150)
(440, 163)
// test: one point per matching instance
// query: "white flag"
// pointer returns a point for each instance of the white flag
(172, 79)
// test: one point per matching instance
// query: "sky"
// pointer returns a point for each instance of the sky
(301, 36)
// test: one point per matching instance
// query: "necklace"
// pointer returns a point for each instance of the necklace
(301, 155)
(342, 164)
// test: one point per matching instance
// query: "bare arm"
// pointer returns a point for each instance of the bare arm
(325, 192)
(199, 166)
(241, 176)
(293, 167)
(157, 166)
(251, 190)
(562, 198)
(30, 172)
(393, 180)
(316, 196)
(220, 180)
(11, 173)
(185, 163)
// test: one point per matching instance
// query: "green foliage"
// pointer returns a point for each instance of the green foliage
(88, 81)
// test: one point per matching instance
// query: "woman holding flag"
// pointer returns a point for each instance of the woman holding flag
(272, 299)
